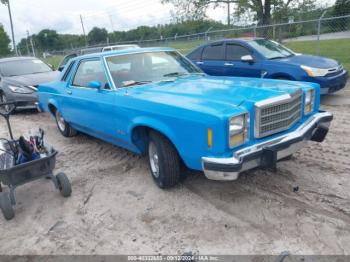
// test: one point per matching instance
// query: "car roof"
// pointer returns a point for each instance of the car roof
(121, 45)
(16, 58)
(238, 40)
(125, 52)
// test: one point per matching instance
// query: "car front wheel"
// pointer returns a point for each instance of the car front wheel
(164, 161)
(65, 129)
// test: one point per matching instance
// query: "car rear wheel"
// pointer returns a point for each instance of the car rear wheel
(65, 129)
(164, 161)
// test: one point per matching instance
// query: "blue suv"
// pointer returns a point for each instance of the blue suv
(262, 58)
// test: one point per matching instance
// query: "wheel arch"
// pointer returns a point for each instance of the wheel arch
(139, 134)
(282, 75)
(52, 106)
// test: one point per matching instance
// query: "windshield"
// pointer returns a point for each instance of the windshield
(141, 68)
(23, 67)
(271, 49)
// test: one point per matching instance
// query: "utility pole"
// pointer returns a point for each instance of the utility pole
(31, 43)
(7, 2)
(111, 20)
(228, 13)
(82, 25)
(27, 42)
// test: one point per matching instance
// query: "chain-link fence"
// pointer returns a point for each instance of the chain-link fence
(312, 31)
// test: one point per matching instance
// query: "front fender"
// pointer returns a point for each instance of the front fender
(152, 123)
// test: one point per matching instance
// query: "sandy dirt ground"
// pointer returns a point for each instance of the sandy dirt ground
(116, 208)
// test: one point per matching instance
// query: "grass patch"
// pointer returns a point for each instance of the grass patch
(54, 60)
(338, 49)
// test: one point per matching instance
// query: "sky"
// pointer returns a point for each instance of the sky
(64, 15)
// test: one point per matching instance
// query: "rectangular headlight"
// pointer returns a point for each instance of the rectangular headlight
(309, 102)
(238, 130)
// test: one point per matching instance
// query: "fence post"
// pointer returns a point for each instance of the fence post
(255, 30)
(319, 32)
(206, 33)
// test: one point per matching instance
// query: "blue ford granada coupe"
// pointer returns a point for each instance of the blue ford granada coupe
(262, 58)
(156, 102)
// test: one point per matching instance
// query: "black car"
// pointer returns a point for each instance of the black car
(19, 78)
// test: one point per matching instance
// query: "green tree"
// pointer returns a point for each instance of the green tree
(196, 9)
(97, 35)
(262, 11)
(4, 42)
(48, 40)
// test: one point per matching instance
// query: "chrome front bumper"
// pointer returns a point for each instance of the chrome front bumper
(267, 153)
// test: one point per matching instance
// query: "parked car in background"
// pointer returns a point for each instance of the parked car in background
(118, 47)
(262, 58)
(20, 77)
(92, 50)
(154, 101)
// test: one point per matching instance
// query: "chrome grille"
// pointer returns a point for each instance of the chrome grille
(276, 116)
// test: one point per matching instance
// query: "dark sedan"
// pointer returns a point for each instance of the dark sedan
(263, 58)
(19, 78)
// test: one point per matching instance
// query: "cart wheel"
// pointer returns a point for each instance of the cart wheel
(64, 185)
(6, 206)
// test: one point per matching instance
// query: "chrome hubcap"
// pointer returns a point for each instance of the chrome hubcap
(153, 159)
(60, 121)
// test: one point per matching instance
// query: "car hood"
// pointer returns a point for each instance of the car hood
(214, 94)
(310, 60)
(33, 79)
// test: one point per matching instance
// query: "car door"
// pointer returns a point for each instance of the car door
(212, 60)
(86, 108)
(235, 66)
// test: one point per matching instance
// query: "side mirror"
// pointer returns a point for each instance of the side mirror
(60, 68)
(94, 85)
(247, 59)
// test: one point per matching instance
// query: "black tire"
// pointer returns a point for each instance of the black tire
(64, 185)
(167, 158)
(65, 129)
(6, 206)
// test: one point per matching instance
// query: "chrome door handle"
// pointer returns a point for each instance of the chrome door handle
(199, 63)
(69, 92)
(228, 64)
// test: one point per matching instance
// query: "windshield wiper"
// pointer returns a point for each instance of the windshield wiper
(135, 83)
(175, 74)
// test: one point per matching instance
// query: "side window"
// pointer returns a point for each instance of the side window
(235, 52)
(69, 69)
(196, 54)
(90, 70)
(213, 52)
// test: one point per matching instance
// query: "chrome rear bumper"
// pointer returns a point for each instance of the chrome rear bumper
(267, 153)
